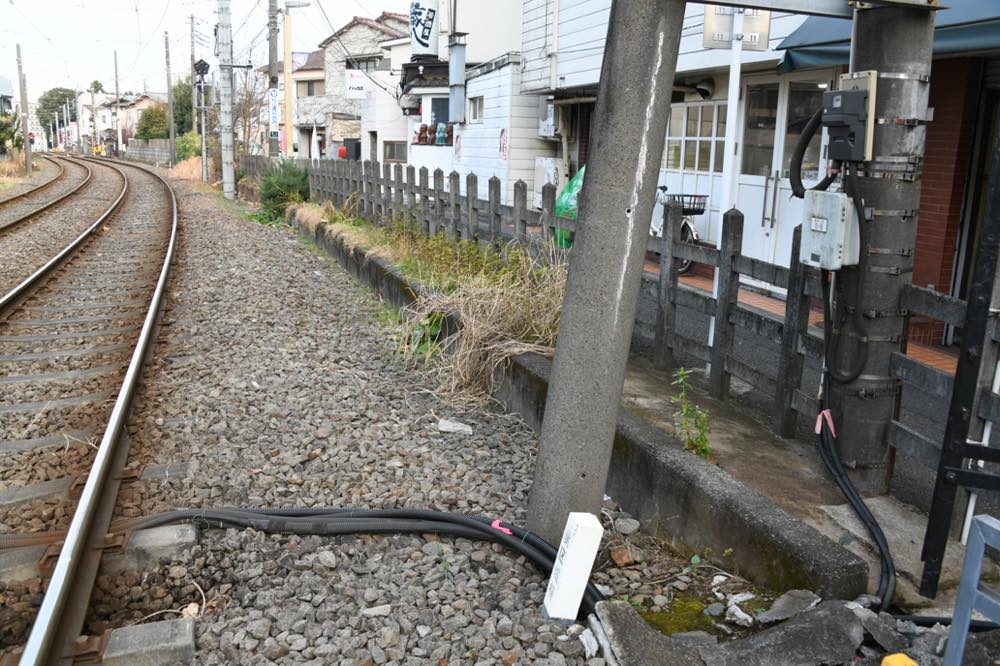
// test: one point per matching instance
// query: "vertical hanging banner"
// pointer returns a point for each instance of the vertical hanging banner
(424, 18)
(273, 114)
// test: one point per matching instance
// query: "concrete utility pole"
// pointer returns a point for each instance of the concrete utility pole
(605, 266)
(273, 143)
(93, 120)
(897, 42)
(170, 104)
(25, 112)
(194, 92)
(289, 85)
(118, 110)
(225, 36)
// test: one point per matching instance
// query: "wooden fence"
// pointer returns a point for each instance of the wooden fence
(437, 201)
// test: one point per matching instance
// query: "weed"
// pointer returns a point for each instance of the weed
(281, 185)
(265, 217)
(691, 420)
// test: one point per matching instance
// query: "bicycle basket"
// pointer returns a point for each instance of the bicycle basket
(692, 204)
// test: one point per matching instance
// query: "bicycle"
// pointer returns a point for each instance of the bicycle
(691, 205)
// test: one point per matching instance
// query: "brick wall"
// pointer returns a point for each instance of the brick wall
(953, 96)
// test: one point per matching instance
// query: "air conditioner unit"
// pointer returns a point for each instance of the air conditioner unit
(548, 118)
(547, 170)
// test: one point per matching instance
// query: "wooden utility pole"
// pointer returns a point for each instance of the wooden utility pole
(289, 85)
(170, 103)
(225, 49)
(194, 93)
(273, 143)
(25, 112)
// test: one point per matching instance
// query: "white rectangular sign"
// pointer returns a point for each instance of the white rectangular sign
(273, 113)
(354, 84)
(571, 570)
(718, 31)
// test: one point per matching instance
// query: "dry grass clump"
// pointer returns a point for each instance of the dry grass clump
(502, 313)
(189, 169)
(306, 215)
(13, 168)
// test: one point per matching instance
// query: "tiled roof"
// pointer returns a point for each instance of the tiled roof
(374, 24)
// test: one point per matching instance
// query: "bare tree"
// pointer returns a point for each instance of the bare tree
(248, 104)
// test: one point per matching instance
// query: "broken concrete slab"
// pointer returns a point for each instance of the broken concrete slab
(149, 548)
(635, 643)
(828, 634)
(54, 489)
(789, 605)
(167, 642)
(19, 565)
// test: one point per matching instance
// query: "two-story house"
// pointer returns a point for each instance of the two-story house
(6, 95)
(356, 48)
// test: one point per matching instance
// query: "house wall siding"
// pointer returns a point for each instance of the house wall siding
(535, 40)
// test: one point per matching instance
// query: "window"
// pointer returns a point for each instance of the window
(476, 110)
(310, 88)
(439, 110)
(394, 151)
(364, 64)
(758, 134)
(695, 138)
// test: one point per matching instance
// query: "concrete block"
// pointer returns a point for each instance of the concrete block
(20, 564)
(149, 548)
(54, 489)
(168, 642)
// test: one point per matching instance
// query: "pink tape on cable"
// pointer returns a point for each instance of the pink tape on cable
(497, 526)
(828, 415)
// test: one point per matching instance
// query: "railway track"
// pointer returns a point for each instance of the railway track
(73, 337)
(70, 179)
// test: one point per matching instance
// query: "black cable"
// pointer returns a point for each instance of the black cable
(331, 521)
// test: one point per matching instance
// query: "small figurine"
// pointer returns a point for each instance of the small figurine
(420, 136)
(442, 134)
(450, 138)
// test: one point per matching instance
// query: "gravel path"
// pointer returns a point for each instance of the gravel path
(29, 245)
(47, 171)
(274, 377)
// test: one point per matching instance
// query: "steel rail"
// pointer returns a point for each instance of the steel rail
(41, 186)
(50, 630)
(35, 278)
(50, 204)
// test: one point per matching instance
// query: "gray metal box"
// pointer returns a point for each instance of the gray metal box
(829, 231)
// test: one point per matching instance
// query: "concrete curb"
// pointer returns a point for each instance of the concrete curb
(655, 479)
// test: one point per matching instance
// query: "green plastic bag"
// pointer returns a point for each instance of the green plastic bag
(566, 207)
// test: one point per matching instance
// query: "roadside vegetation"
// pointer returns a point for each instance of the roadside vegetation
(506, 300)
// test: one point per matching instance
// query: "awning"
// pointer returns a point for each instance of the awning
(965, 26)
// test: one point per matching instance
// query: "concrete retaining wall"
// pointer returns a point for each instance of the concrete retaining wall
(151, 151)
(670, 490)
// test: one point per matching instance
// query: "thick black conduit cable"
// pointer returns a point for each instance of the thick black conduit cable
(328, 522)
(798, 154)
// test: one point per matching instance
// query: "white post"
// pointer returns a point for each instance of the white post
(226, 99)
(730, 169)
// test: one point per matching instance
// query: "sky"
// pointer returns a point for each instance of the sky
(72, 42)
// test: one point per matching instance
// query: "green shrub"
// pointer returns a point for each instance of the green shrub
(188, 145)
(282, 184)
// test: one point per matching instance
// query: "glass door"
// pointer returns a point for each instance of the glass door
(755, 188)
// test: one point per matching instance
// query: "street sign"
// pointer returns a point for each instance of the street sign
(273, 112)
(718, 31)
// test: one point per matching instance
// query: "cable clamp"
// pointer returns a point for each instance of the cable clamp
(887, 212)
(879, 314)
(889, 270)
(878, 393)
(906, 176)
(896, 252)
(904, 122)
(905, 76)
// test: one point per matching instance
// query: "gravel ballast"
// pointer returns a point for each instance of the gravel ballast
(274, 376)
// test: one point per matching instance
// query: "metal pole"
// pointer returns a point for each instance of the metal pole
(25, 112)
(605, 269)
(204, 132)
(895, 41)
(273, 144)
(194, 93)
(289, 85)
(118, 110)
(170, 104)
(225, 36)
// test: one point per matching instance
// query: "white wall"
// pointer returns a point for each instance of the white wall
(493, 27)
(578, 49)
(381, 113)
